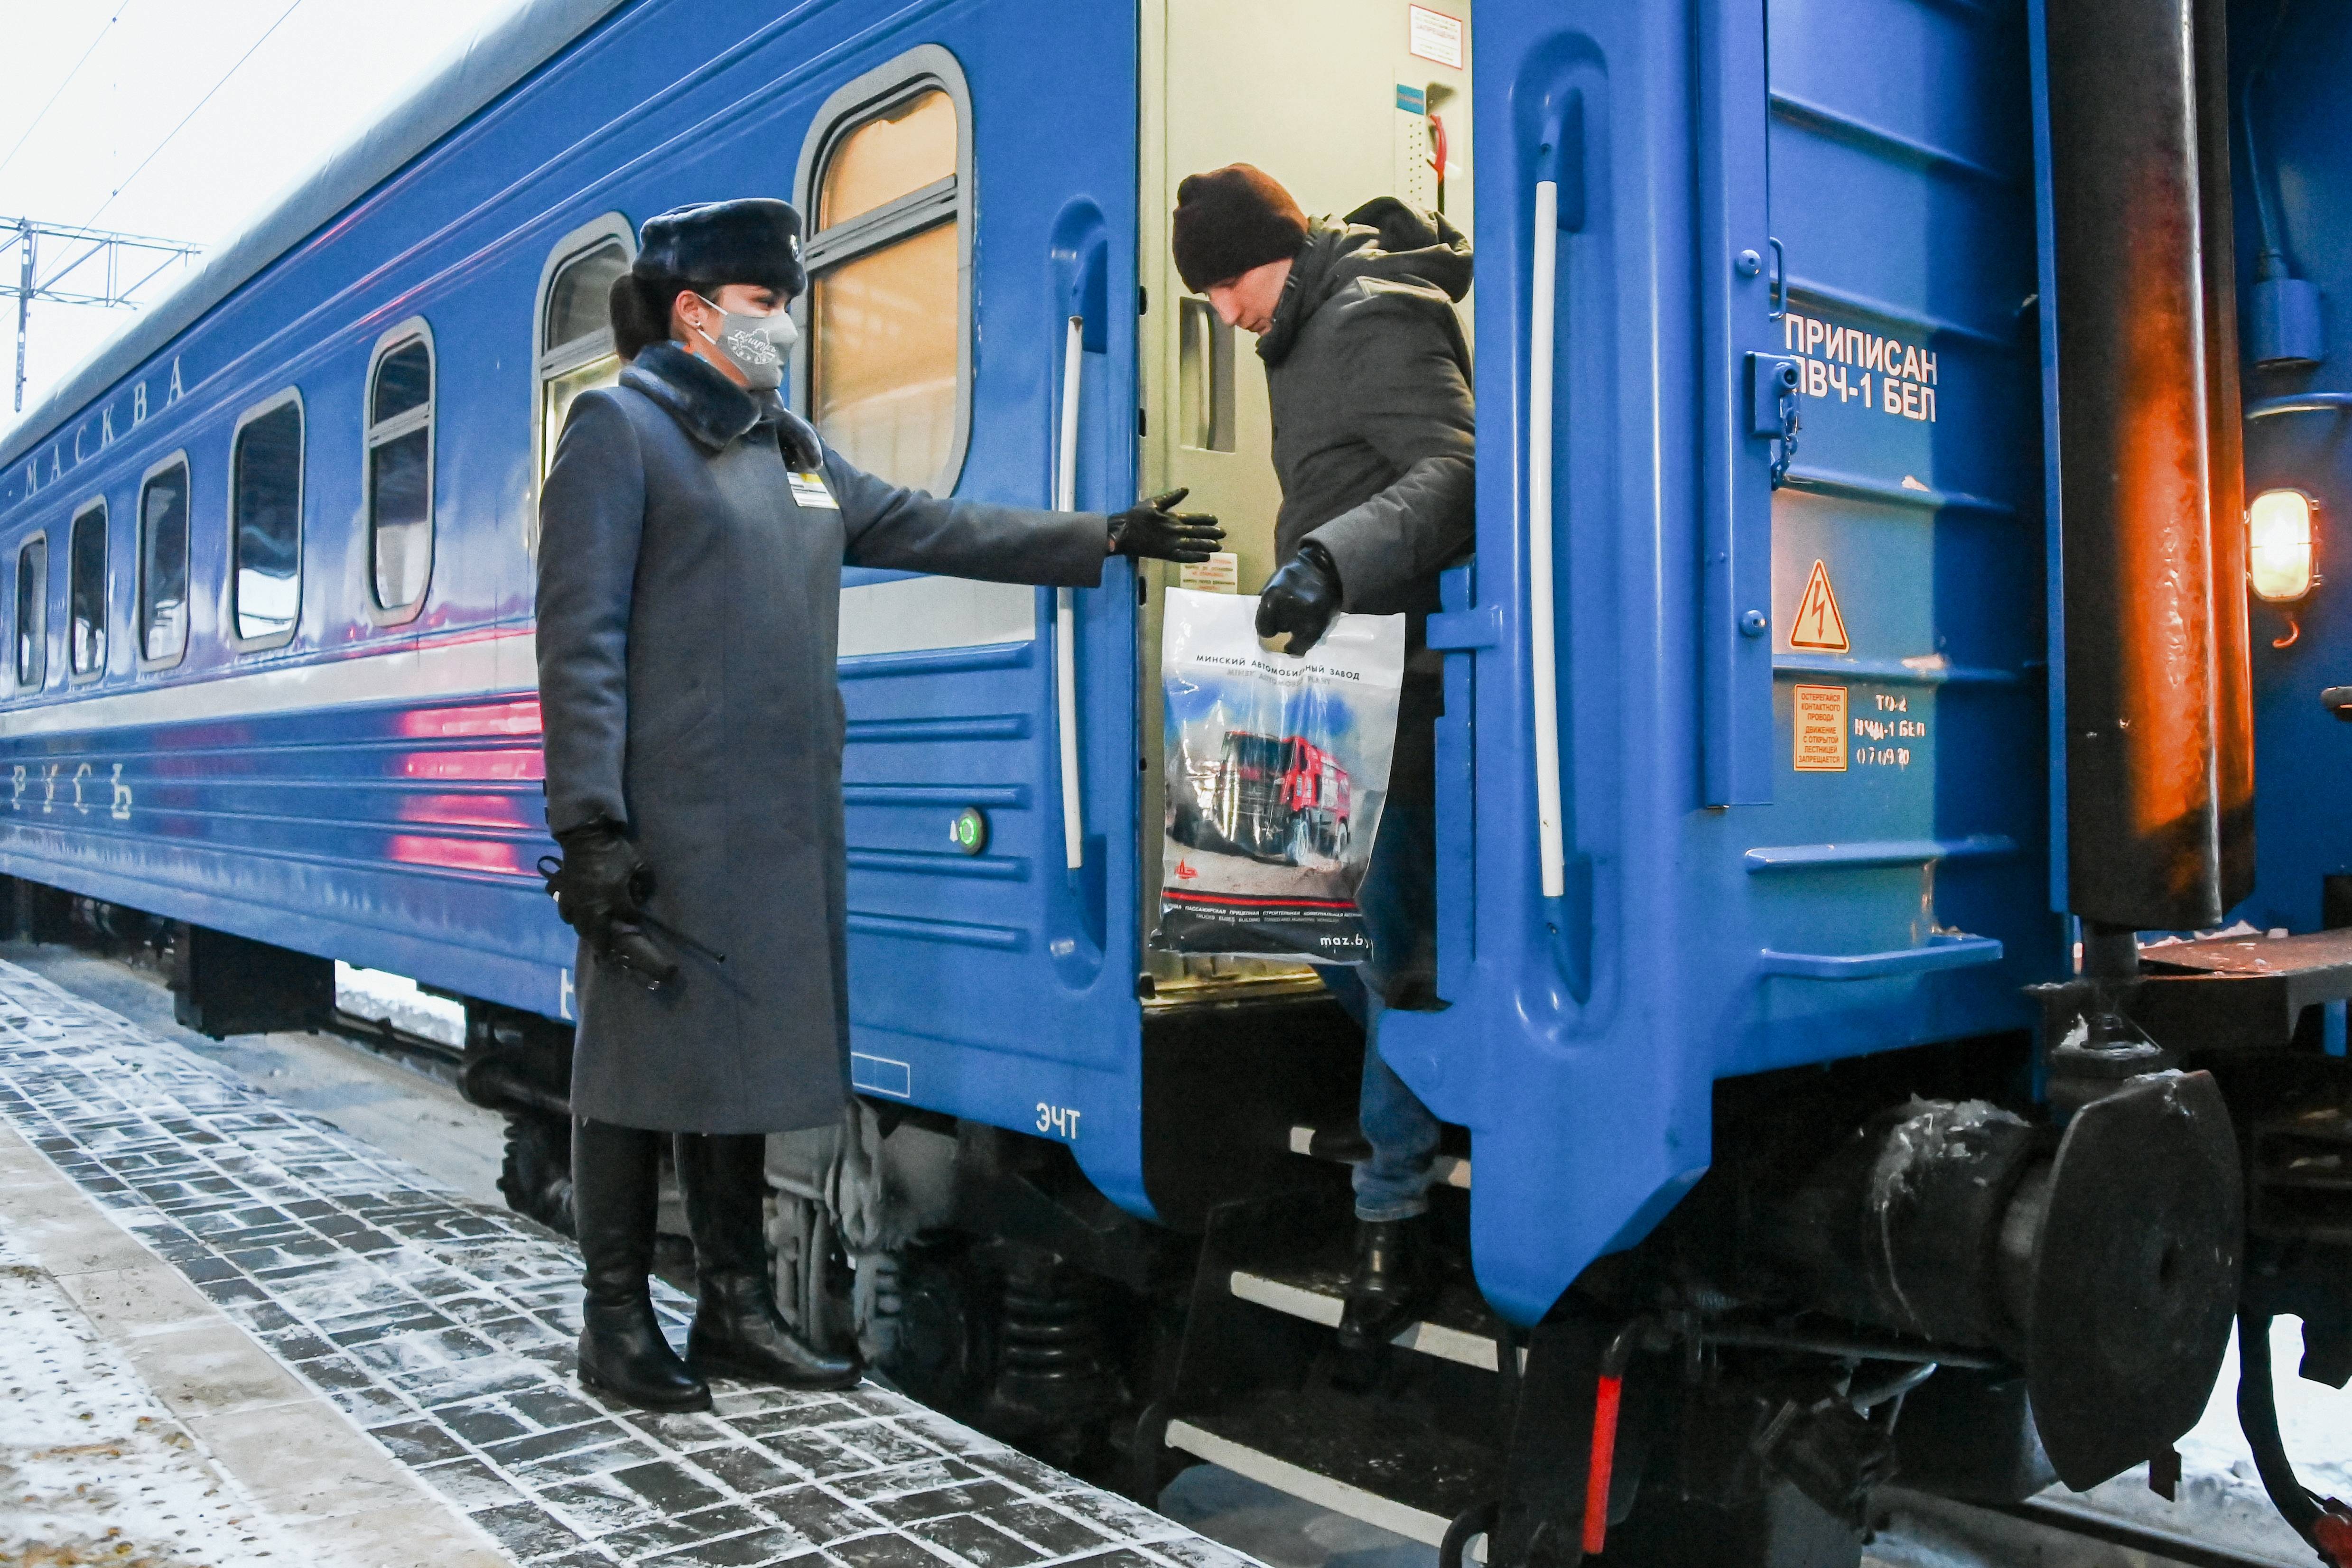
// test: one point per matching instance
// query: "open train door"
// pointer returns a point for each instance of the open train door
(1647, 882)
(971, 327)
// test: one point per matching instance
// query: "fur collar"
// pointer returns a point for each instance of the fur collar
(714, 411)
(707, 405)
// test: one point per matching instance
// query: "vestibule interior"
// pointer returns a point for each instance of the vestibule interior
(1340, 100)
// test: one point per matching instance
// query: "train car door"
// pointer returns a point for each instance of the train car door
(971, 327)
(1707, 807)
(1340, 100)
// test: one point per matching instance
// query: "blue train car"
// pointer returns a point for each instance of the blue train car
(1853, 676)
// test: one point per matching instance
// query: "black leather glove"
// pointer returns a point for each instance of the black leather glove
(600, 886)
(1150, 531)
(1302, 599)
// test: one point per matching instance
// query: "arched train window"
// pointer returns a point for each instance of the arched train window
(887, 180)
(86, 592)
(400, 468)
(574, 334)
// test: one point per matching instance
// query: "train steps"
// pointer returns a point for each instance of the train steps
(1410, 1440)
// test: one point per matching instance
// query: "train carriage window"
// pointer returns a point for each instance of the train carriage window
(86, 592)
(400, 467)
(889, 370)
(575, 324)
(33, 615)
(163, 564)
(265, 522)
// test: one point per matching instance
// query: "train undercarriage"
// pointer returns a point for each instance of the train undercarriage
(1906, 1268)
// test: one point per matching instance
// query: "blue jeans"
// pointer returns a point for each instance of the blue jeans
(1398, 899)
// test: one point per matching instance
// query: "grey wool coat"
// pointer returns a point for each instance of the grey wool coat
(688, 601)
(1375, 432)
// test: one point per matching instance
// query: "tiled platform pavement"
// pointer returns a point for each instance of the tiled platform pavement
(443, 1329)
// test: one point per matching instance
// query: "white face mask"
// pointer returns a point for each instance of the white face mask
(755, 345)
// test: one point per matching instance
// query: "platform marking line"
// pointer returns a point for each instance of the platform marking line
(442, 1328)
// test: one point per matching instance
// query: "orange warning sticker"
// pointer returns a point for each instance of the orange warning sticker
(1818, 625)
(1820, 730)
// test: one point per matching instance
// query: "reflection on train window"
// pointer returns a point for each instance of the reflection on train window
(86, 591)
(576, 352)
(265, 523)
(33, 615)
(400, 471)
(886, 309)
(163, 565)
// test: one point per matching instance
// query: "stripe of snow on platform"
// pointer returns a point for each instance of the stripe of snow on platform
(97, 1468)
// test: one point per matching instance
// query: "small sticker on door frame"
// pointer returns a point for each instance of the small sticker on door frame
(1820, 729)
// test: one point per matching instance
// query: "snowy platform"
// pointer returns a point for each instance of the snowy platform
(239, 1335)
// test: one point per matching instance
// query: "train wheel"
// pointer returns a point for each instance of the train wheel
(536, 1177)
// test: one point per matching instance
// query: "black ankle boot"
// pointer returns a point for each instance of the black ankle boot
(616, 1187)
(738, 1331)
(1395, 1280)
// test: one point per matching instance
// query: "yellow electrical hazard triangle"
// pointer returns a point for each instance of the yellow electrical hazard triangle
(1818, 625)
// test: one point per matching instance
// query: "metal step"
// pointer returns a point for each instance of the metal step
(1393, 1474)
(1456, 1331)
(1445, 1170)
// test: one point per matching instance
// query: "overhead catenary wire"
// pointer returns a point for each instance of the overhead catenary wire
(44, 114)
(175, 130)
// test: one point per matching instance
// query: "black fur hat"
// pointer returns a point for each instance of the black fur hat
(754, 239)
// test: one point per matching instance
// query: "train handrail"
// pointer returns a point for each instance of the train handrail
(1543, 653)
(1954, 952)
(1065, 602)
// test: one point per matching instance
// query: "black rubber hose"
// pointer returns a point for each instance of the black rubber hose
(2258, 1419)
(2272, 262)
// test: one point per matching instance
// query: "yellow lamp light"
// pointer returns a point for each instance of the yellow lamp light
(2279, 540)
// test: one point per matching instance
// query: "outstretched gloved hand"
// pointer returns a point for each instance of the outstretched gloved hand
(1150, 531)
(1302, 599)
(600, 886)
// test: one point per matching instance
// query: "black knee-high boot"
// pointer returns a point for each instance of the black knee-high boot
(737, 1330)
(615, 1189)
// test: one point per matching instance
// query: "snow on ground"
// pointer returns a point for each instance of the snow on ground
(2221, 1499)
(93, 1469)
(396, 999)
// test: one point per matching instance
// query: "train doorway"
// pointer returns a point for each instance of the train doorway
(1341, 101)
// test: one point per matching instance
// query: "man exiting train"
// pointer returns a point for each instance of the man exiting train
(692, 534)
(1368, 378)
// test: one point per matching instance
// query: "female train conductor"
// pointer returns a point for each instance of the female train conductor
(692, 533)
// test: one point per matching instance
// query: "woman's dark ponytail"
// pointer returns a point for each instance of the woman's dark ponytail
(640, 306)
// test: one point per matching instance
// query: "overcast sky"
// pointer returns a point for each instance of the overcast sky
(323, 70)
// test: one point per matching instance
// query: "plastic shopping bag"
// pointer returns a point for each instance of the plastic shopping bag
(1277, 767)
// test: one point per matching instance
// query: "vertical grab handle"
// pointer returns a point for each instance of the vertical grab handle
(1065, 607)
(1561, 159)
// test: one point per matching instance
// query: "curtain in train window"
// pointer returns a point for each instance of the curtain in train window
(886, 307)
(33, 615)
(576, 353)
(265, 524)
(163, 565)
(86, 591)
(400, 473)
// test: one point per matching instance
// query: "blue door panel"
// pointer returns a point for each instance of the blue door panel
(999, 986)
(1878, 142)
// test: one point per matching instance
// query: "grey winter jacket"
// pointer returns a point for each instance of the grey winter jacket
(690, 594)
(1374, 430)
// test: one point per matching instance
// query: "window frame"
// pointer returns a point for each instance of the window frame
(179, 460)
(39, 538)
(372, 435)
(547, 361)
(238, 643)
(925, 68)
(97, 672)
